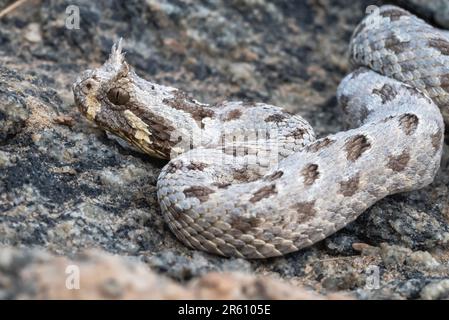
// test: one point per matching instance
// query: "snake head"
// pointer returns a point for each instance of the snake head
(105, 89)
(122, 103)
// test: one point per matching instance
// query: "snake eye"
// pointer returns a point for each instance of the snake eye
(118, 96)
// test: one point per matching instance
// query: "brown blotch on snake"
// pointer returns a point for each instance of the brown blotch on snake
(199, 192)
(408, 122)
(436, 139)
(357, 72)
(222, 185)
(233, 115)
(196, 165)
(386, 93)
(263, 193)
(244, 224)
(182, 101)
(395, 44)
(319, 144)
(398, 163)
(349, 187)
(245, 174)
(310, 173)
(304, 211)
(356, 146)
(277, 117)
(174, 166)
(364, 113)
(297, 134)
(440, 45)
(275, 175)
(444, 82)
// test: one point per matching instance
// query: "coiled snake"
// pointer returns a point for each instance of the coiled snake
(249, 179)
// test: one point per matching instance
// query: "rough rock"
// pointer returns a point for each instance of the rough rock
(33, 274)
(65, 187)
(436, 11)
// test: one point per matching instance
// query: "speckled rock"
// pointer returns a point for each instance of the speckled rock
(33, 274)
(65, 187)
(436, 290)
(435, 10)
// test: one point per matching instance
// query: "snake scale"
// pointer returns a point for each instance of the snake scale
(251, 180)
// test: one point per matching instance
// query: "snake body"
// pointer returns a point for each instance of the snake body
(251, 180)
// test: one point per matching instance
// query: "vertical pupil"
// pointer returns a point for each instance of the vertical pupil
(118, 96)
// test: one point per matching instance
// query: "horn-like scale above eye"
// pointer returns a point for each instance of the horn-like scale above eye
(118, 96)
